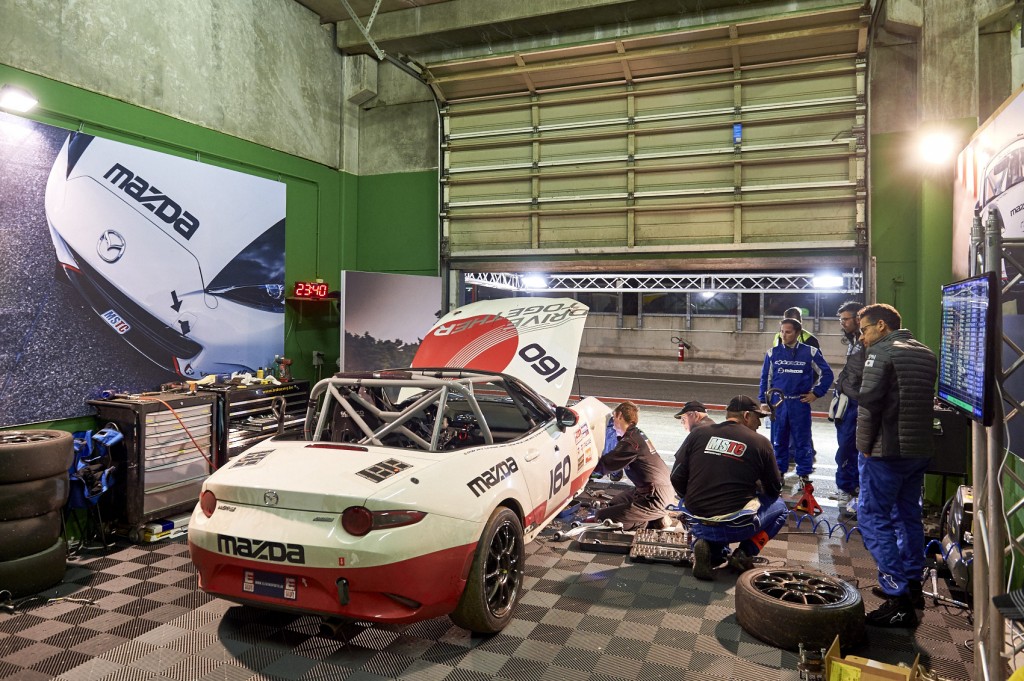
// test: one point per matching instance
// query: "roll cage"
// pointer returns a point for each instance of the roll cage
(430, 409)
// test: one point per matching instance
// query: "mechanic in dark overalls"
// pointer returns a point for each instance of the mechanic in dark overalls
(642, 505)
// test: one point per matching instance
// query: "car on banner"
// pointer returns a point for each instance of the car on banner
(1001, 190)
(183, 260)
(415, 490)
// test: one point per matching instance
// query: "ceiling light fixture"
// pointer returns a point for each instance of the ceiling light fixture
(15, 99)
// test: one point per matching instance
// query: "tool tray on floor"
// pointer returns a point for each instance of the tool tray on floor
(605, 541)
(662, 546)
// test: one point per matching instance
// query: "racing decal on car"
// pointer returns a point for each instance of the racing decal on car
(155, 202)
(275, 552)
(492, 476)
(251, 458)
(584, 446)
(379, 472)
(559, 476)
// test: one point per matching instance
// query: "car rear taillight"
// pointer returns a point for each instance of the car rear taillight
(208, 503)
(359, 520)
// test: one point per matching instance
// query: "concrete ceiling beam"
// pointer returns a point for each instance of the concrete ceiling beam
(457, 15)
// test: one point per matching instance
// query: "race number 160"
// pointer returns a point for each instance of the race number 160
(543, 363)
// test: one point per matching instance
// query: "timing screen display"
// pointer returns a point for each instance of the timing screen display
(963, 355)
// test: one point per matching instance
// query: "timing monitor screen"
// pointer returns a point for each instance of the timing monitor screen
(965, 353)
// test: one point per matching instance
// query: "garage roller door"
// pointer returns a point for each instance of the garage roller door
(742, 137)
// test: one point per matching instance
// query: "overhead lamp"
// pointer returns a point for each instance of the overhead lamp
(827, 281)
(535, 281)
(937, 147)
(15, 99)
(708, 295)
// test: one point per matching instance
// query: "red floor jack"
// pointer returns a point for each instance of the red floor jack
(808, 504)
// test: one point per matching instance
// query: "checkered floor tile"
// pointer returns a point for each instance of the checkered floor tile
(136, 614)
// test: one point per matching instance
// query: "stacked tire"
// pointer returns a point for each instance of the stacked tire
(34, 487)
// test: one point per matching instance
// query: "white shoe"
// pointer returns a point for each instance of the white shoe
(843, 499)
(851, 507)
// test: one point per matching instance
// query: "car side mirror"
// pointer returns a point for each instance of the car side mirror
(565, 417)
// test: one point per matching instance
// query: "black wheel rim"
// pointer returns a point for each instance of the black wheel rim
(800, 587)
(503, 571)
(20, 436)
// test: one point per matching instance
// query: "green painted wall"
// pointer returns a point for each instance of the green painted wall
(398, 227)
(895, 225)
(321, 201)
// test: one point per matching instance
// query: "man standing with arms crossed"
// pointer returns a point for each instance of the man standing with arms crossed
(894, 436)
(845, 414)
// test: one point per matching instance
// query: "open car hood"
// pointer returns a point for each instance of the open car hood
(536, 340)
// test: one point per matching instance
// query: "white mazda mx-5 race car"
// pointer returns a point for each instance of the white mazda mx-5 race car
(184, 260)
(416, 489)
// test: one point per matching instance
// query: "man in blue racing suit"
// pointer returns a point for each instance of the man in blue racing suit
(801, 374)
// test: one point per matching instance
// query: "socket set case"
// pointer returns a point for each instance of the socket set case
(662, 546)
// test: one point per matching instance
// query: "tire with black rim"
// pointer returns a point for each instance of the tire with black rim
(34, 454)
(35, 497)
(496, 578)
(25, 536)
(787, 607)
(34, 573)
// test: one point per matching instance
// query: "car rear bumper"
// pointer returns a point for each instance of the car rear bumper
(406, 591)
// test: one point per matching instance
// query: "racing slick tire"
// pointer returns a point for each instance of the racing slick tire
(496, 577)
(787, 607)
(34, 454)
(25, 536)
(28, 499)
(34, 573)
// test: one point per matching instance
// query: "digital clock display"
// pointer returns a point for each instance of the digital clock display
(311, 289)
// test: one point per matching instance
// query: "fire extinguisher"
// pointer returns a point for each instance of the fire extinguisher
(682, 346)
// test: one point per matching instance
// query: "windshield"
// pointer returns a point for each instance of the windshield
(255, 277)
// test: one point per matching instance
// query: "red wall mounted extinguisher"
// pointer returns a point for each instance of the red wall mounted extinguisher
(681, 346)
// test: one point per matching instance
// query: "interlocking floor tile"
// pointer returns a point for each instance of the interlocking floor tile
(583, 616)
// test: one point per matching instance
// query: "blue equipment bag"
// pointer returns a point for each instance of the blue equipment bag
(92, 470)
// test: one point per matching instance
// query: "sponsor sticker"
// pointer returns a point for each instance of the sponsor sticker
(116, 323)
(270, 584)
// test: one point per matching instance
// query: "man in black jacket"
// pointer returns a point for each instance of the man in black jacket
(651, 493)
(724, 468)
(894, 436)
(844, 414)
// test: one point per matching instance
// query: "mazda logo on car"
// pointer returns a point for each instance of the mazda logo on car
(111, 245)
(270, 498)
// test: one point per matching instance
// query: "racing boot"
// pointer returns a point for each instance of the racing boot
(702, 561)
(914, 589)
(895, 611)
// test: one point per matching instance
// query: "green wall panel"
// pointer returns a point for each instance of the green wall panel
(896, 225)
(398, 226)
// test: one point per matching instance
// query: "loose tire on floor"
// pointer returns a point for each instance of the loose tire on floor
(23, 537)
(787, 607)
(32, 574)
(35, 497)
(34, 454)
(496, 578)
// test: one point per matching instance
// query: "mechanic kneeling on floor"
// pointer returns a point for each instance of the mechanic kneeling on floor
(644, 504)
(721, 469)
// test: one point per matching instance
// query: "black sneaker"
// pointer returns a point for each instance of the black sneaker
(616, 476)
(914, 590)
(740, 561)
(702, 561)
(896, 611)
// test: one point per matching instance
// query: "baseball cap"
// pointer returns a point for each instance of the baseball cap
(744, 403)
(691, 406)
